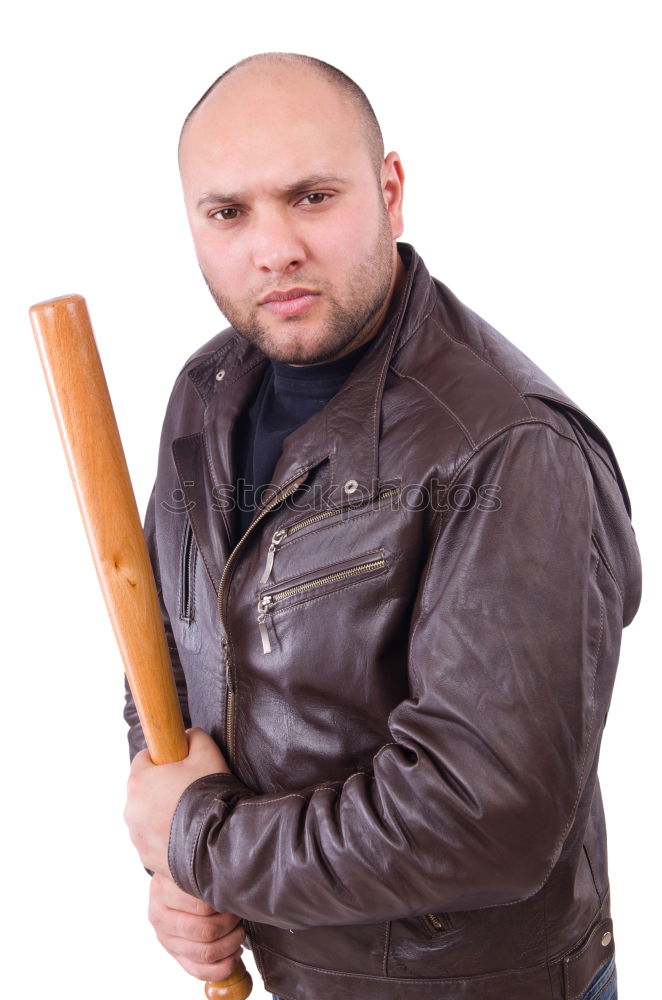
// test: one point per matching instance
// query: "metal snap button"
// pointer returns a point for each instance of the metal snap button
(606, 939)
(351, 486)
(220, 374)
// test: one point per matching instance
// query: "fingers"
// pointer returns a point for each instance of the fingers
(198, 930)
(207, 962)
(206, 944)
(210, 973)
(165, 892)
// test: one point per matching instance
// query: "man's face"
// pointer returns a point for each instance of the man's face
(293, 229)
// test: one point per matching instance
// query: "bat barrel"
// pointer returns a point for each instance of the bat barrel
(99, 472)
(92, 444)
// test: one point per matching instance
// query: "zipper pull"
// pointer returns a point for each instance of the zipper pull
(275, 542)
(262, 606)
(226, 657)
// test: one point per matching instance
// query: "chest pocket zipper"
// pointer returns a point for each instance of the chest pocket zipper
(189, 557)
(269, 602)
(282, 533)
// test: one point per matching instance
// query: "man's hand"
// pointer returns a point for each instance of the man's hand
(205, 943)
(153, 793)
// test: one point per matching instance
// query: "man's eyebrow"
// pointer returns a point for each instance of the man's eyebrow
(305, 183)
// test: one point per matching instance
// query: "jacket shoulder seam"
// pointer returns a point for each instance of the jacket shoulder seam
(463, 463)
(444, 406)
(511, 425)
(483, 359)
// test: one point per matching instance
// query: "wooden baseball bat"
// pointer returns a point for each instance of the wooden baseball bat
(99, 472)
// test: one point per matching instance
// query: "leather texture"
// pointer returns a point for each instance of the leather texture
(412, 701)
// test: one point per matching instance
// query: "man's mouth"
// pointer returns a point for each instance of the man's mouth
(291, 302)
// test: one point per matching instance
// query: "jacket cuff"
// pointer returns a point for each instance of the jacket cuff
(215, 793)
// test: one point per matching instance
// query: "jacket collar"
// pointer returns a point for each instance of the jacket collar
(345, 431)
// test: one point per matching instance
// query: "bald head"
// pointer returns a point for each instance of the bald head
(293, 208)
(279, 67)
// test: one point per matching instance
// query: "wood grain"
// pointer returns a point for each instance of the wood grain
(107, 504)
(99, 472)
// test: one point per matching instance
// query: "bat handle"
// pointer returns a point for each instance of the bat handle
(237, 986)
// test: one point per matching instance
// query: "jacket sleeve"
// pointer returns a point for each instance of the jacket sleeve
(135, 733)
(512, 650)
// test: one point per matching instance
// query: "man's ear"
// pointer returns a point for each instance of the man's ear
(393, 182)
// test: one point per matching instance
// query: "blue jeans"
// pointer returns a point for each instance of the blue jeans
(603, 986)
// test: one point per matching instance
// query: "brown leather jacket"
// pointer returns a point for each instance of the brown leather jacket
(408, 661)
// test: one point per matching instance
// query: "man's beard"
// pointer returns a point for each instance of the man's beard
(363, 299)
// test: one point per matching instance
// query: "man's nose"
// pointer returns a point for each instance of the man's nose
(277, 245)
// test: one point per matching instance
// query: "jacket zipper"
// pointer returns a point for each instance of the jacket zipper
(226, 646)
(282, 533)
(434, 920)
(187, 570)
(266, 602)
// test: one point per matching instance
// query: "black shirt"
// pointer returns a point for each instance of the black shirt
(288, 396)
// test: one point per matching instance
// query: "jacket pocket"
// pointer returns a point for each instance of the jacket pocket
(387, 497)
(582, 964)
(311, 586)
(188, 559)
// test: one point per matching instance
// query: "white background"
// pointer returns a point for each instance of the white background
(528, 132)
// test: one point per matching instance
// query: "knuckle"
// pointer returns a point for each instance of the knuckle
(155, 916)
(207, 954)
(207, 931)
(209, 971)
(154, 905)
(181, 928)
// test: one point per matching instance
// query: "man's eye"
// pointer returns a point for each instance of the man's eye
(226, 214)
(316, 198)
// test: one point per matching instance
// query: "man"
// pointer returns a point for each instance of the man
(399, 658)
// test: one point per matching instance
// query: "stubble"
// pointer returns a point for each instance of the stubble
(347, 316)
